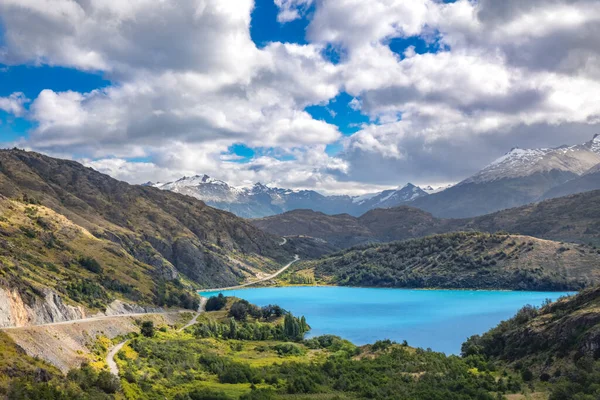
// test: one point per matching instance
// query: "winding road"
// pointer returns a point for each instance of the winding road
(110, 357)
(296, 258)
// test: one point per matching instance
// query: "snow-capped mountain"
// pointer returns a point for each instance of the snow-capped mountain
(390, 198)
(519, 177)
(431, 190)
(261, 200)
(524, 162)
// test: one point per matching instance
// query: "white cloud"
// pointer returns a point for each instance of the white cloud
(189, 83)
(14, 104)
(290, 10)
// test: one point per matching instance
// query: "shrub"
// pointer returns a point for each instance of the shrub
(147, 329)
(90, 264)
(216, 303)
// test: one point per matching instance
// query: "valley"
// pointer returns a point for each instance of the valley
(299, 200)
(89, 262)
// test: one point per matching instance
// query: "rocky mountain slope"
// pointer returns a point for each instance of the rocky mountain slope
(572, 218)
(517, 178)
(461, 260)
(589, 181)
(261, 200)
(72, 240)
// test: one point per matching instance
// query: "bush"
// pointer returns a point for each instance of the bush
(239, 311)
(108, 383)
(147, 329)
(203, 394)
(216, 303)
(90, 264)
(288, 349)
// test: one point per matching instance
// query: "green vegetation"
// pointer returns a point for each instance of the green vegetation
(554, 348)
(469, 260)
(266, 357)
(546, 353)
(92, 239)
(216, 303)
(26, 378)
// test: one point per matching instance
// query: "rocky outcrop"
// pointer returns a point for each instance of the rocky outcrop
(118, 307)
(50, 308)
(47, 308)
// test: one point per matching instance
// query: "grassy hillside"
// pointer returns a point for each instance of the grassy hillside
(460, 260)
(42, 249)
(554, 348)
(24, 377)
(573, 218)
(92, 239)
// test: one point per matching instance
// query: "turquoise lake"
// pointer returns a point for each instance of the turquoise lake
(438, 319)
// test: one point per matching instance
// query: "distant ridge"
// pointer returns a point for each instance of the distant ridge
(261, 200)
(571, 218)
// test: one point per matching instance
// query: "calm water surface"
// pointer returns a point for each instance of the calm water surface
(436, 319)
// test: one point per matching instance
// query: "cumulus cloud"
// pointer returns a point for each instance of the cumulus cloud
(189, 83)
(290, 10)
(14, 104)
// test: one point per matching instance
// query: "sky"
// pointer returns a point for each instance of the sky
(340, 96)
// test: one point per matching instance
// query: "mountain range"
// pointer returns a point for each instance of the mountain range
(261, 200)
(574, 218)
(520, 177)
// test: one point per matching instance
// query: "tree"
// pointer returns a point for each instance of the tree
(216, 303)
(147, 329)
(239, 311)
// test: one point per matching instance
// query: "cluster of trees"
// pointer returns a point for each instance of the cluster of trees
(292, 329)
(216, 303)
(242, 309)
(88, 292)
(455, 260)
(392, 372)
(174, 294)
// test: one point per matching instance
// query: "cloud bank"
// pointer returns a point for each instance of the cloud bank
(189, 82)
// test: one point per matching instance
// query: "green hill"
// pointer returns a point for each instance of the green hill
(555, 347)
(460, 260)
(93, 239)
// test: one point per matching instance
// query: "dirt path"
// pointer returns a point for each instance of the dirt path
(110, 358)
(296, 258)
(100, 318)
(201, 309)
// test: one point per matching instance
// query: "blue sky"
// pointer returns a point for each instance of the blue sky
(318, 94)
(31, 79)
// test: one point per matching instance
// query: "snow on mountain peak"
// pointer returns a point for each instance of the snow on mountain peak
(523, 162)
(595, 144)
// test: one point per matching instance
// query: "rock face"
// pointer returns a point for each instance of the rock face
(42, 310)
(118, 307)
(50, 308)
(67, 346)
